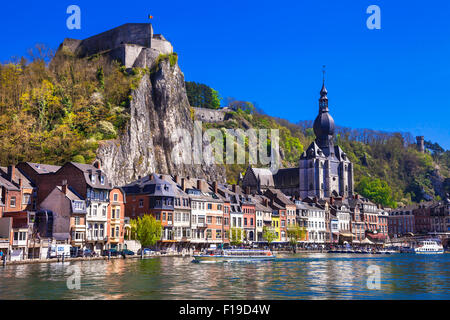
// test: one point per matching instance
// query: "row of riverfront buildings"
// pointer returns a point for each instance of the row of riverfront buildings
(76, 204)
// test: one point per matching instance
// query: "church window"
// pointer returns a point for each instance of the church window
(321, 186)
(310, 186)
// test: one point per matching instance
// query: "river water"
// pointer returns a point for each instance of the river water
(300, 276)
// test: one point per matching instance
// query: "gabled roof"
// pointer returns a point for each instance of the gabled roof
(264, 175)
(8, 184)
(89, 169)
(26, 183)
(287, 177)
(43, 168)
(71, 193)
(151, 185)
(313, 151)
(280, 197)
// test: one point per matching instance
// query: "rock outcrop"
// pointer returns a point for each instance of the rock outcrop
(159, 106)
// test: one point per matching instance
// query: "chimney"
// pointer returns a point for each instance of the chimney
(199, 184)
(11, 172)
(183, 187)
(215, 186)
(97, 165)
(247, 190)
(177, 179)
(233, 188)
(20, 183)
(64, 186)
(266, 202)
(331, 200)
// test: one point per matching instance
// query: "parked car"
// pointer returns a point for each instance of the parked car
(113, 252)
(146, 252)
(87, 253)
(127, 252)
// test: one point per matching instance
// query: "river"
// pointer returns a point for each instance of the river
(300, 276)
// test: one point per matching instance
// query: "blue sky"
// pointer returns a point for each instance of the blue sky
(272, 52)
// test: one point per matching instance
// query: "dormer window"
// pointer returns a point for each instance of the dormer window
(102, 180)
(93, 178)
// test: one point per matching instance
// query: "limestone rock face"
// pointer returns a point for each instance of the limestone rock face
(159, 106)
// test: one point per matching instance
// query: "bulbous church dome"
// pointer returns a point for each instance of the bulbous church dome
(324, 123)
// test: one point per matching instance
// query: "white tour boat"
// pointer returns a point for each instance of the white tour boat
(429, 246)
(234, 255)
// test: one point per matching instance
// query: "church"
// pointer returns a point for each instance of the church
(324, 169)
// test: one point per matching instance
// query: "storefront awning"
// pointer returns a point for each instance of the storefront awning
(348, 235)
(366, 241)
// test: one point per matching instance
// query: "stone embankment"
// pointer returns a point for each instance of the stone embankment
(60, 260)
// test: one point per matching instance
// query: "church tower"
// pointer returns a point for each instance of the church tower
(324, 170)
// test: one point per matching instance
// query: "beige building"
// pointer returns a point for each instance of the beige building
(69, 215)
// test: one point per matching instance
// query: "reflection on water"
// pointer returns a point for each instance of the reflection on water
(302, 276)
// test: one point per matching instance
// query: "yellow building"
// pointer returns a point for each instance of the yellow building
(276, 226)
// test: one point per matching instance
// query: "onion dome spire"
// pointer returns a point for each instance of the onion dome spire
(324, 124)
(323, 100)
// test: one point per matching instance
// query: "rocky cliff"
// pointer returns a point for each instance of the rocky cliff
(158, 107)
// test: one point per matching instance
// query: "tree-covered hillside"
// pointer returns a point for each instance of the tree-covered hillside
(59, 112)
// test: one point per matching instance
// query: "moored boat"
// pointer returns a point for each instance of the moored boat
(234, 255)
(429, 247)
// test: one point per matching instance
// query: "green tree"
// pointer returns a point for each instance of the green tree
(269, 234)
(235, 236)
(296, 234)
(376, 190)
(202, 96)
(148, 230)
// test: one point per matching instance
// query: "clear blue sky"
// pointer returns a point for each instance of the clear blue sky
(272, 52)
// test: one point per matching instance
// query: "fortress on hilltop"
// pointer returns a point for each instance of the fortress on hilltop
(134, 44)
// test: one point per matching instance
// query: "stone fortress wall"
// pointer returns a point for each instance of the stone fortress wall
(128, 43)
(210, 115)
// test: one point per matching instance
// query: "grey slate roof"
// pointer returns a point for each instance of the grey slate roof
(89, 169)
(152, 185)
(8, 184)
(43, 168)
(26, 183)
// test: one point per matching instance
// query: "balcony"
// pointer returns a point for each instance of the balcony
(20, 243)
(96, 238)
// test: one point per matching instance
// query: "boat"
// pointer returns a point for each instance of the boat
(429, 247)
(234, 255)
(386, 251)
